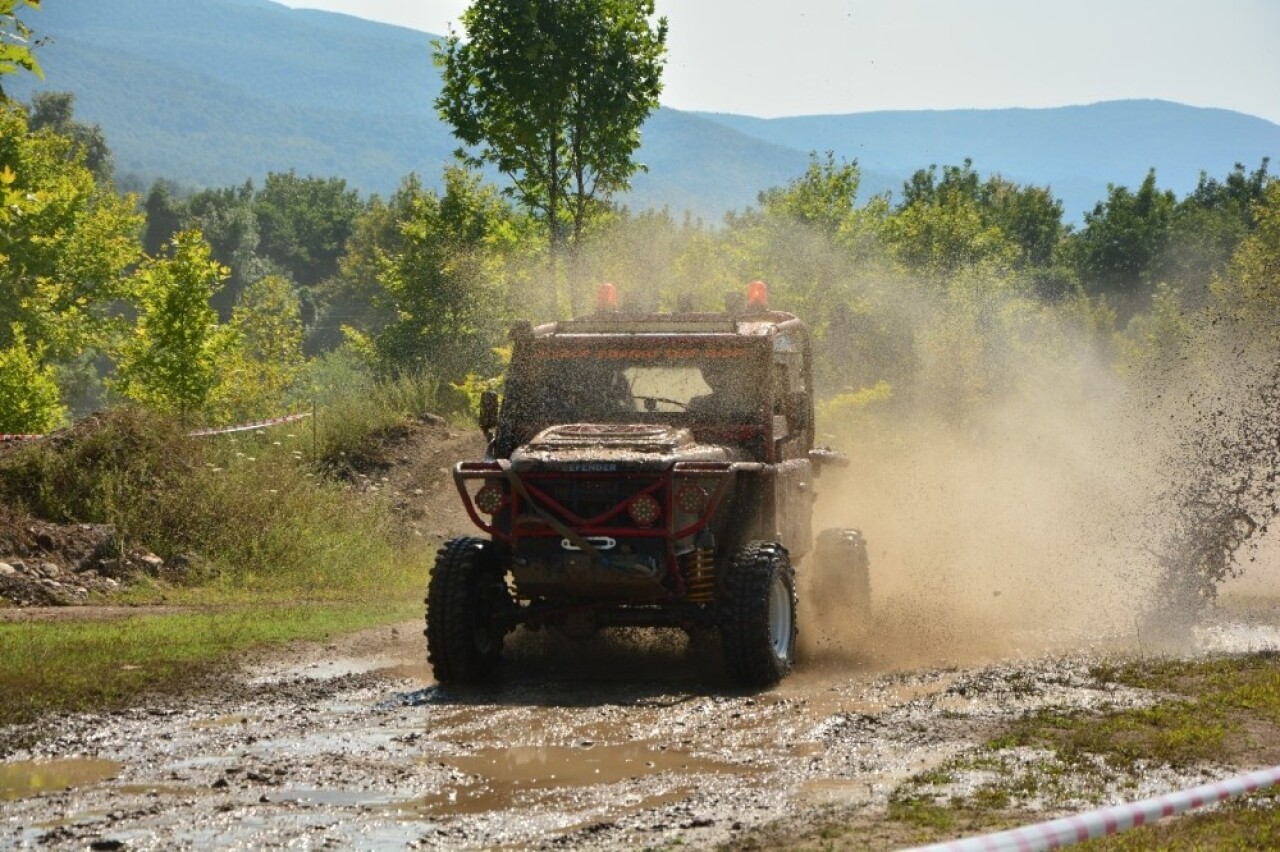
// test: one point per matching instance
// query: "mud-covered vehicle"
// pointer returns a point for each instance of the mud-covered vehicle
(643, 470)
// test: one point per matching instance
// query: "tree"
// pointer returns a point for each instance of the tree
(351, 298)
(553, 93)
(1249, 291)
(29, 399)
(66, 244)
(225, 219)
(55, 111)
(165, 215)
(1208, 225)
(15, 41)
(822, 199)
(443, 284)
(961, 221)
(304, 223)
(1123, 240)
(940, 228)
(266, 357)
(171, 361)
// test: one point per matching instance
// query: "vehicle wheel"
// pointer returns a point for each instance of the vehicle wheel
(842, 573)
(756, 606)
(466, 596)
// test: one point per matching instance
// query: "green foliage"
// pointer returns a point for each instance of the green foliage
(225, 219)
(1249, 291)
(15, 41)
(29, 400)
(850, 406)
(553, 94)
(1208, 225)
(97, 665)
(822, 199)
(1123, 241)
(247, 510)
(55, 111)
(171, 361)
(66, 243)
(102, 474)
(304, 223)
(353, 405)
(444, 283)
(944, 226)
(353, 298)
(164, 215)
(266, 358)
(473, 386)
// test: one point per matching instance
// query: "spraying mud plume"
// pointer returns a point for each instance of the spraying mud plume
(1221, 508)
(1049, 448)
(1017, 502)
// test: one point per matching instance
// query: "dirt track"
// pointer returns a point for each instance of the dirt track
(612, 743)
(623, 741)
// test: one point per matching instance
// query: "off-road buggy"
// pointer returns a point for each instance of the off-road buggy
(651, 470)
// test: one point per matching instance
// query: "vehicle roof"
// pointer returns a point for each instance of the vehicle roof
(756, 325)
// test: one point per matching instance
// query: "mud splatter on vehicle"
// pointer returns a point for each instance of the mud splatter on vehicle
(645, 470)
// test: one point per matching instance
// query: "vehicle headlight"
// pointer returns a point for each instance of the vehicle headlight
(644, 510)
(490, 499)
(692, 499)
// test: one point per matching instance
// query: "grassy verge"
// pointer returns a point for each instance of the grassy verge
(1222, 713)
(256, 536)
(106, 664)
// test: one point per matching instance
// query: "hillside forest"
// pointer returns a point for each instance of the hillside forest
(228, 304)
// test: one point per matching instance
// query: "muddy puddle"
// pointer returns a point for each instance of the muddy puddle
(351, 746)
(25, 778)
(501, 778)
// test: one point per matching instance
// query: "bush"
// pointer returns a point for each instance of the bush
(248, 507)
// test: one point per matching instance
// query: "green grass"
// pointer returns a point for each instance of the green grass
(250, 513)
(111, 663)
(1176, 733)
(1213, 711)
(1249, 823)
(273, 549)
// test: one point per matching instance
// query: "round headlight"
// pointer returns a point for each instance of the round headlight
(490, 498)
(644, 510)
(691, 499)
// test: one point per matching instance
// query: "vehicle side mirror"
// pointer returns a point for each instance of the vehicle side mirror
(488, 410)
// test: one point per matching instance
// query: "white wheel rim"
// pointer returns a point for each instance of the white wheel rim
(780, 619)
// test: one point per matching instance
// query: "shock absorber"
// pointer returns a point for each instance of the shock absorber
(700, 575)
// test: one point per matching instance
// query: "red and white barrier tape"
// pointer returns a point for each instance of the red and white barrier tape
(1113, 820)
(260, 424)
(244, 427)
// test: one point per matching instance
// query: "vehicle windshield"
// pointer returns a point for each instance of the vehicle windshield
(590, 388)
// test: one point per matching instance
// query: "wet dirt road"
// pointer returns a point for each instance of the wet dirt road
(615, 743)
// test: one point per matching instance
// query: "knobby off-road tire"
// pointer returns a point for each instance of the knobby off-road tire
(756, 608)
(842, 581)
(465, 599)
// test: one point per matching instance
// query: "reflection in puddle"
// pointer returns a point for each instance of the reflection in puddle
(27, 778)
(843, 791)
(545, 774)
(334, 798)
(220, 722)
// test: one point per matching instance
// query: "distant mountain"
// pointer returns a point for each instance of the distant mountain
(214, 92)
(1076, 150)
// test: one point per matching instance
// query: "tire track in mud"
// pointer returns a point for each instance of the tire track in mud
(618, 742)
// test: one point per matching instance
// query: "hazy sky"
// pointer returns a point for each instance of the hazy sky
(799, 57)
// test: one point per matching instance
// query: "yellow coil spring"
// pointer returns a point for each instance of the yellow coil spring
(700, 576)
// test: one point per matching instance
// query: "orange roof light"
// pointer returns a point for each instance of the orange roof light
(757, 296)
(606, 297)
